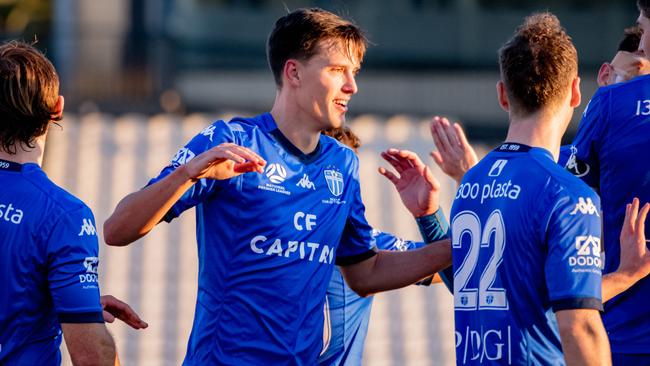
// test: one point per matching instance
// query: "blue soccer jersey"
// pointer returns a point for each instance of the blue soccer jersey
(613, 139)
(48, 265)
(525, 243)
(347, 314)
(268, 243)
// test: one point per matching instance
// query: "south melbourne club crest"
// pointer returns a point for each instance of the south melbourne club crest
(334, 180)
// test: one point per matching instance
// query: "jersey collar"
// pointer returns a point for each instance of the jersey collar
(513, 147)
(272, 128)
(10, 166)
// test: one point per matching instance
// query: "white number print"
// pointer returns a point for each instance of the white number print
(486, 297)
(643, 107)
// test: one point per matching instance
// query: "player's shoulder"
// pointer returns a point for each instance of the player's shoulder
(338, 152)
(622, 90)
(334, 145)
(562, 183)
(263, 123)
(49, 195)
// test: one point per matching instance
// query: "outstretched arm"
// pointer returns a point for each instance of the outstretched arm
(635, 257)
(418, 190)
(140, 211)
(455, 156)
(391, 270)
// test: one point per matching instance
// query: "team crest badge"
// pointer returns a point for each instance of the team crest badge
(334, 181)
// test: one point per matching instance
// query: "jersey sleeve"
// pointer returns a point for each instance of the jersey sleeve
(573, 262)
(213, 135)
(72, 252)
(386, 241)
(583, 158)
(357, 242)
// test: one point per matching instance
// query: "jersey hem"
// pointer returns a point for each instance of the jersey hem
(577, 303)
(90, 317)
(354, 259)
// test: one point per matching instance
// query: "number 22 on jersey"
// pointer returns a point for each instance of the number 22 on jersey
(466, 224)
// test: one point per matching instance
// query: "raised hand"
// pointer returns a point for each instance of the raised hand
(416, 185)
(635, 257)
(455, 156)
(224, 161)
(114, 308)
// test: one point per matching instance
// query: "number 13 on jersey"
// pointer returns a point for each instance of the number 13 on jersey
(467, 225)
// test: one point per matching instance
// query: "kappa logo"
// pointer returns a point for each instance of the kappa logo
(497, 167)
(87, 228)
(306, 183)
(575, 166)
(334, 180)
(183, 156)
(208, 132)
(91, 264)
(585, 207)
(276, 173)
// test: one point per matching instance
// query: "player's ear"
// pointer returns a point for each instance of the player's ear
(604, 74)
(58, 107)
(503, 97)
(291, 72)
(576, 97)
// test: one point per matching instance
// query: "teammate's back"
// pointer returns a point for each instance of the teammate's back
(35, 268)
(525, 237)
(48, 242)
(526, 233)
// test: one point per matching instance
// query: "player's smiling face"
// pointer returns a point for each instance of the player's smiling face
(327, 82)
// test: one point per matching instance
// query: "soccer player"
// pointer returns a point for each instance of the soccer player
(527, 282)
(48, 252)
(612, 141)
(627, 63)
(278, 205)
(625, 263)
(347, 314)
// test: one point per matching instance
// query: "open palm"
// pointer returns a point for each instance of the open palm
(416, 185)
(225, 161)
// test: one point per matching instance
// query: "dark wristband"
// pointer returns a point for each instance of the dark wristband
(433, 227)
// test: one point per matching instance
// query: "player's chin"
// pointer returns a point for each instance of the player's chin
(337, 120)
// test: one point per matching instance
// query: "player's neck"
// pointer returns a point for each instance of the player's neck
(25, 154)
(293, 125)
(538, 130)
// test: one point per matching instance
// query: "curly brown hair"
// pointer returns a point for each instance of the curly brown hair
(537, 64)
(345, 136)
(29, 90)
(297, 35)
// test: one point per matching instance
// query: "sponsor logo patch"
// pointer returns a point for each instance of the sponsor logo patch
(587, 258)
(497, 167)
